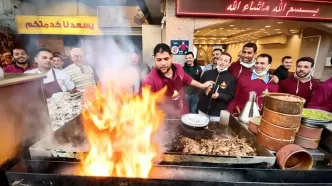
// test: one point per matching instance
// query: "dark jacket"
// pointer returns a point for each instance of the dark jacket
(213, 106)
(281, 72)
(195, 72)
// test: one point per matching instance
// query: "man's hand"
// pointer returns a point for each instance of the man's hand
(207, 91)
(274, 79)
(207, 84)
(215, 95)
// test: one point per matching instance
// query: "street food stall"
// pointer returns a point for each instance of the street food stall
(106, 145)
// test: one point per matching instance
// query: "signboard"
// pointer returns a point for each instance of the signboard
(286, 9)
(179, 47)
(62, 25)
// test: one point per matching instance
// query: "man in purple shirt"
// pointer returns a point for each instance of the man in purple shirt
(322, 97)
(174, 78)
(20, 64)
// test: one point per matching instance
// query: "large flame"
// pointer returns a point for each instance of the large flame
(119, 127)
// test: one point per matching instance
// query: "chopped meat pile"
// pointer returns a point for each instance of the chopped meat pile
(62, 108)
(231, 146)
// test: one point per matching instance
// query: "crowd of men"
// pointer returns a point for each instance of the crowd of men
(251, 72)
(221, 85)
(73, 76)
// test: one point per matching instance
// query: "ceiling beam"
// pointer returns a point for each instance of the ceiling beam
(145, 10)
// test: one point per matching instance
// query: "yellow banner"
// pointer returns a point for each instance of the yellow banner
(62, 25)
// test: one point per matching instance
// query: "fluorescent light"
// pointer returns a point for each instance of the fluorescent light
(262, 29)
(280, 22)
(221, 28)
(277, 29)
(267, 26)
(279, 32)
(231, 25)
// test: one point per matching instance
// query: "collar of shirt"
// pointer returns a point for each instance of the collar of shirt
(23, 69)
(266, 79)
(283, 67)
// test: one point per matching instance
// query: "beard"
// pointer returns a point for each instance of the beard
(22, 63)
(301, 74)
(160, 71)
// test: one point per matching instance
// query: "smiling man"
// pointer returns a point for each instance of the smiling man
(215, 57)
(56, 80)
(247, 60)
(171, 75)
(215, 99)
(282, 70)
(194, 70)
(301, 84)
(20, 64)
(258, 81)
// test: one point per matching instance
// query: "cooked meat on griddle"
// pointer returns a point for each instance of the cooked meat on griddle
(230, 146)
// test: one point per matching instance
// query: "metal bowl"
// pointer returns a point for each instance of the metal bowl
(317, 120)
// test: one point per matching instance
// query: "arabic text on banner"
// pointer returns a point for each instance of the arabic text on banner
(62, 25)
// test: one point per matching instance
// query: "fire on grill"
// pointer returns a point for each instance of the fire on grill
(119, 127)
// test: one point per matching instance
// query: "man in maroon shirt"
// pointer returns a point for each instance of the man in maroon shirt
(246, 61)
(258, 81)
(20, 64)
(174, 78)
(322, 97)
(301, 83)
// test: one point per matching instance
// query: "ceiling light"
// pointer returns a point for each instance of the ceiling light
(231, 25)
(248, 28)
(235, 28)
(279, 32)
(221, 28)
(267, 26)
(197, 30)
(277, 29)
(280, 22)
(262, 29)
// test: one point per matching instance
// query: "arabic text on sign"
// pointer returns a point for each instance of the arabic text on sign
(63, 24)
(263, 6)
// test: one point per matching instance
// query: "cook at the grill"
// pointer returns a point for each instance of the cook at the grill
(166, 73)
(56, 80)
(259, 82)
(217, 98)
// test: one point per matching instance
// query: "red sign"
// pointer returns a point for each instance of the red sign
(286, 9)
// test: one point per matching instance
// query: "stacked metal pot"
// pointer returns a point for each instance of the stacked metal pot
(311, 129)
(281, 120)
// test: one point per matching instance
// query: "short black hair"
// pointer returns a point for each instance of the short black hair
(266, 55)
(309, 59)
(217, 49)
(227, 54)
(251, 45)
(43, 50)
(17, 48)
(190, 53)
(57, 54)
(162, 47)
(286, 57)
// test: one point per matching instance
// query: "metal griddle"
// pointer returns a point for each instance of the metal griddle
(50, 173)
(171, 130)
